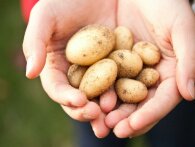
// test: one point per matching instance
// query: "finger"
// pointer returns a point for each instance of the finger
(165, 99)
(123, 111)
(37, 35)
(183, 36)
(119, 114)
(123, 129)
(56, 85)
(142, 131)
(99, 127)
(108, 100)
(88, 112)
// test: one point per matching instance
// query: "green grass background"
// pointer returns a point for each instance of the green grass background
(28, 118)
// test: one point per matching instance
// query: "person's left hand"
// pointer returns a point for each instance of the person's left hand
(170, 24)
(132, 120)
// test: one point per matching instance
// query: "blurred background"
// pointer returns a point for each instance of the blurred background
(27, 116)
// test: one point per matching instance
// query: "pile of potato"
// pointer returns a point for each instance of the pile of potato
(101, 58)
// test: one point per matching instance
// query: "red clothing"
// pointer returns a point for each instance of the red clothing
(26, 6)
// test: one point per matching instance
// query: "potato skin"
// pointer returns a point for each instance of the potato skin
(148, 76)
(149, 53)
(98, 78)
(75, 74)
(90, 44)
(129, 63)
(124, 38)
(130, 91)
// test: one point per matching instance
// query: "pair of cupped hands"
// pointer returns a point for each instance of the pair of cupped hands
(170, 24)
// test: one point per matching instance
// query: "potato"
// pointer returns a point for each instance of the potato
(90, 44)
(75, 74)
(98, 78)
(124, 38)
(148, 76)
(129, 63)
(149, 53)
(130, 91)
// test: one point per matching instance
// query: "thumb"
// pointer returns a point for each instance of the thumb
(36, 38)
(183, 37)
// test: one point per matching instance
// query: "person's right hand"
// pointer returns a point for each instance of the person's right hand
(50, 26)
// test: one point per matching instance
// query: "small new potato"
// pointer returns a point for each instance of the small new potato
(148, 76)
(75, 74)
(89, 45)
(124, 38)
(98, 78)
(129, 63)
(130, 91)
(149, 53)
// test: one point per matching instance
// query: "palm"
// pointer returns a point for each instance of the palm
(64, 25)
(66, 19)
(145, 27)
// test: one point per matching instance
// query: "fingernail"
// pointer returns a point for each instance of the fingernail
(94, 129)
(191, 88)
(29, 65)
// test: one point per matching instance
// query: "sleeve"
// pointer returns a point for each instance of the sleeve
(26, 6)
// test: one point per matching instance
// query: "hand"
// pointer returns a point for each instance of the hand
(50, 26)
(171, 25)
